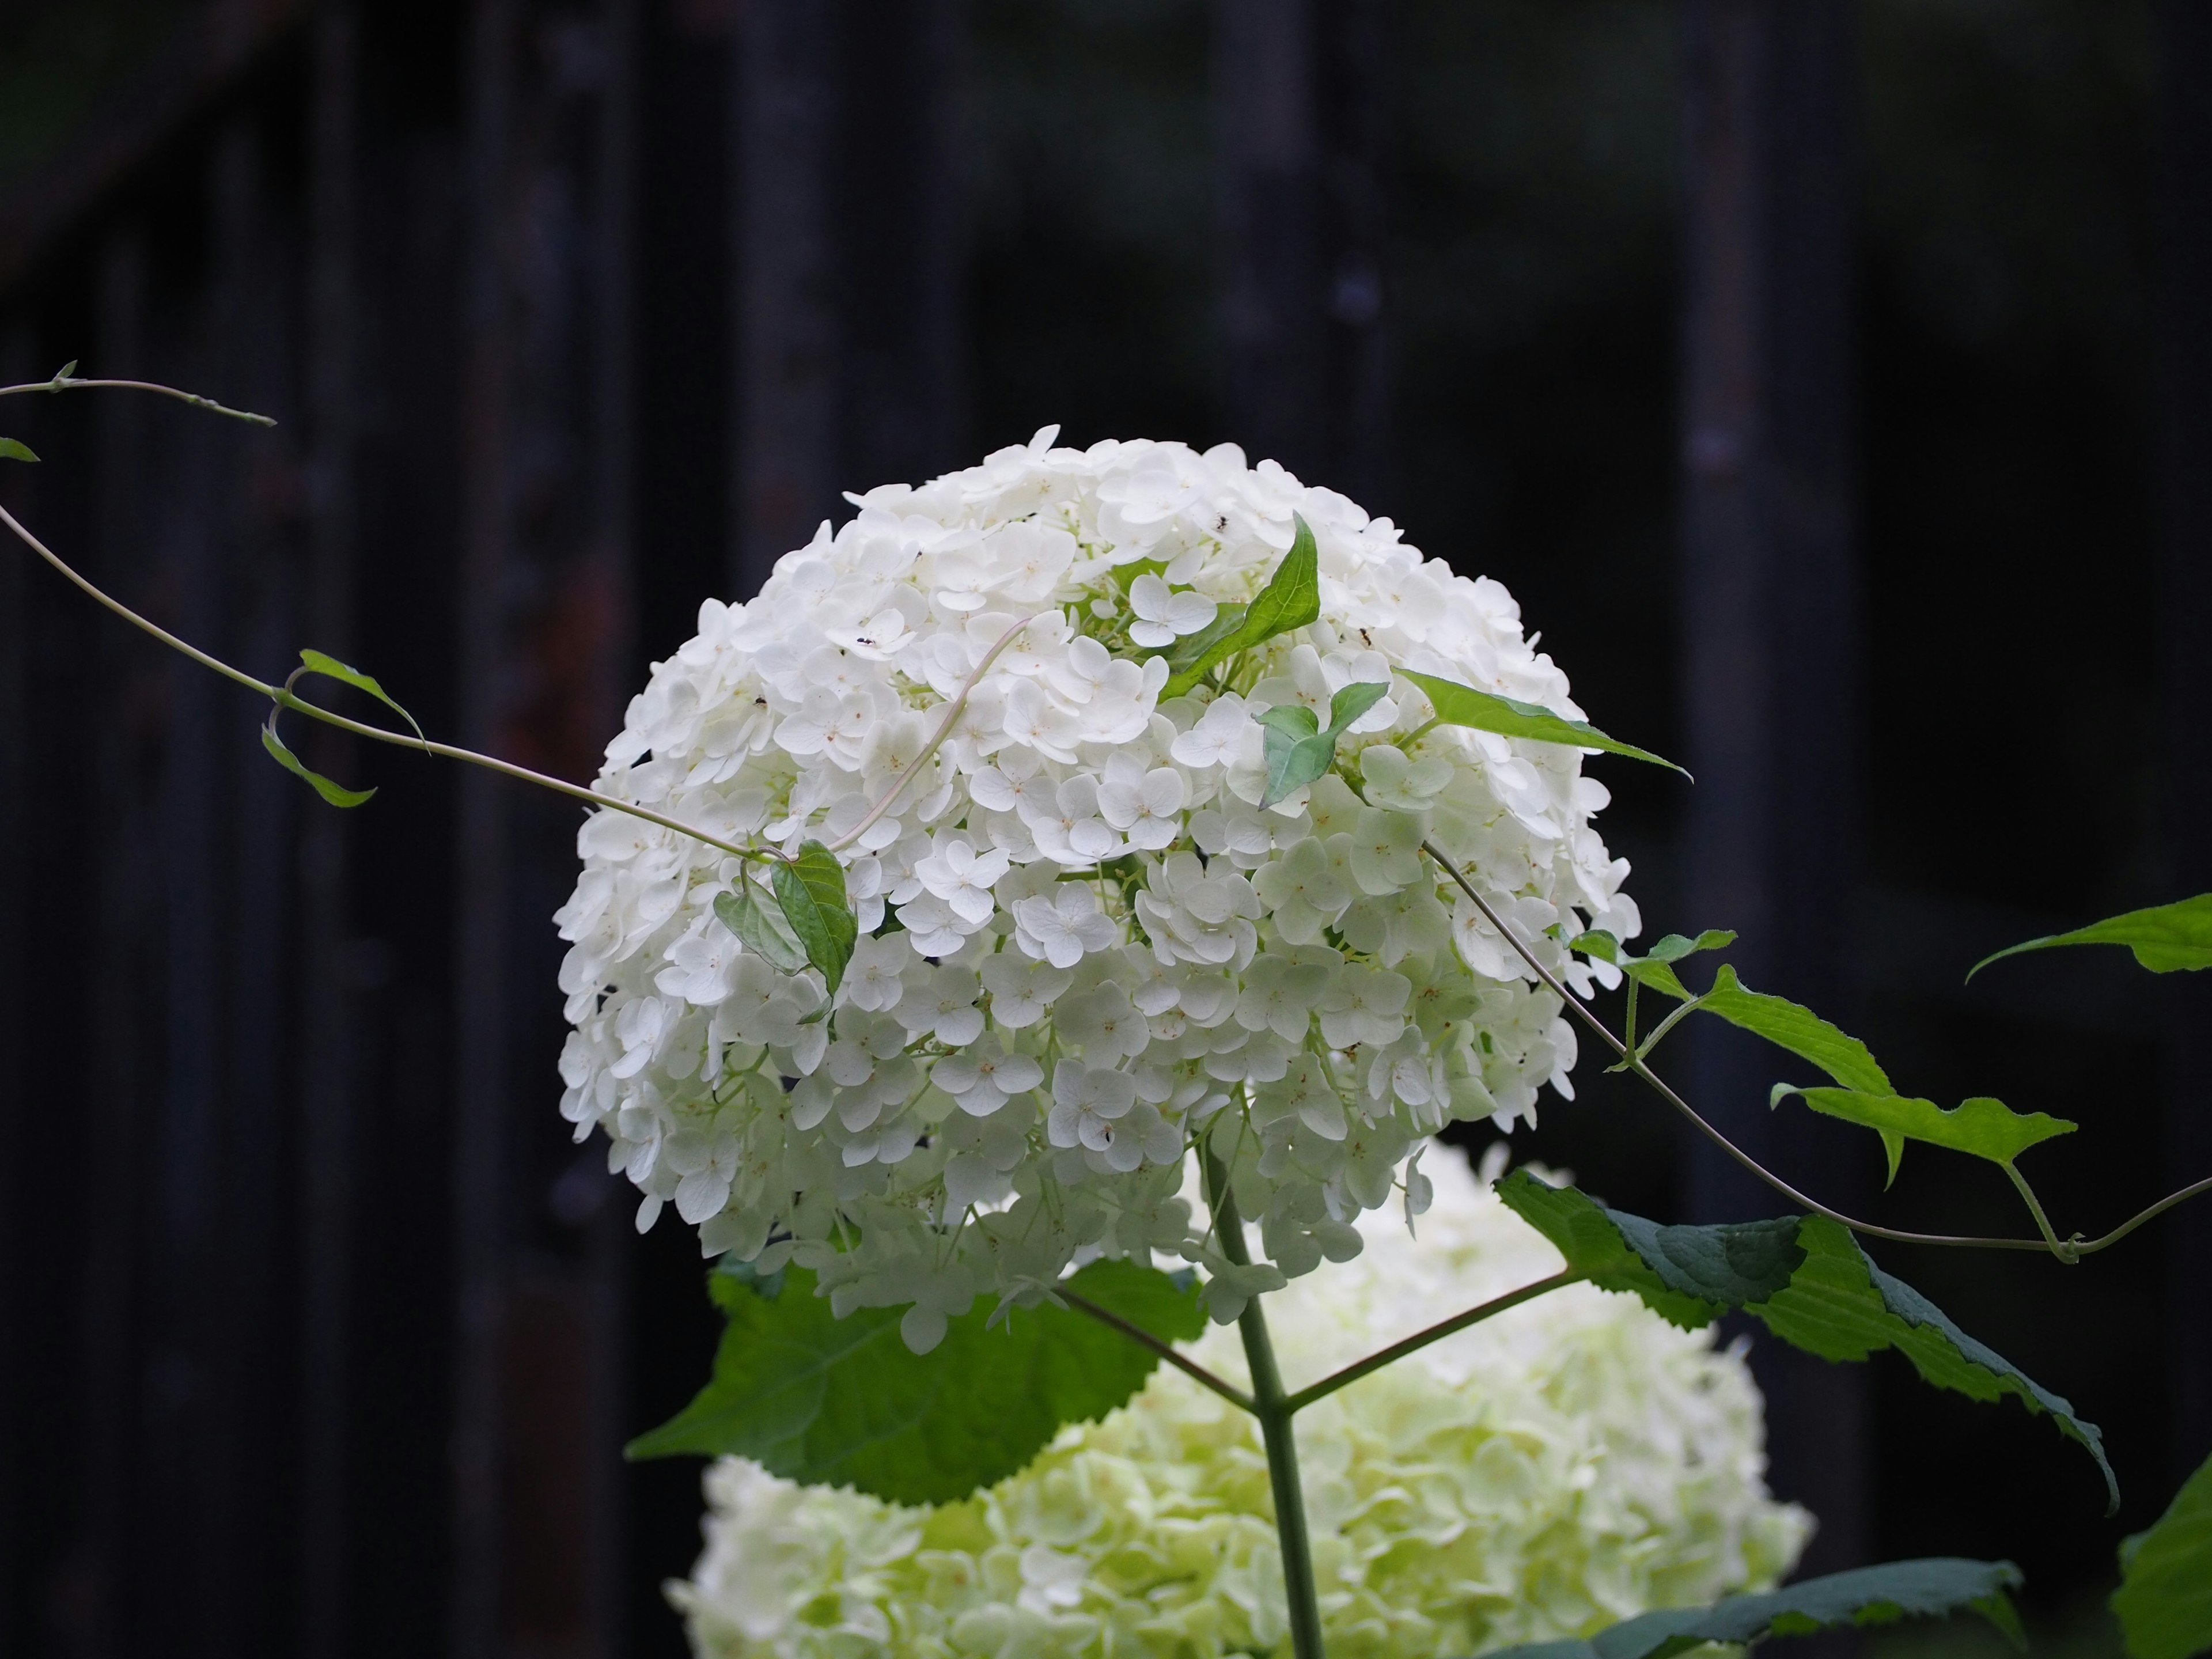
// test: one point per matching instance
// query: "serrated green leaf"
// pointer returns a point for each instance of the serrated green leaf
(1840, 1305)
(1690, 1275)
(1290, 599)
(12, 450)
(316, 662)
(1485, 711)
(1981, 1127)
(1804, 1277)
(2165, 939)
(336, 793)
(834, 1401)
(758, 921)
(1787, 1025)
(1928, 1588)
(2164, 1602)
(811, 888)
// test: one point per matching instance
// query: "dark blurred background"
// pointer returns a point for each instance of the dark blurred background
(1832, 382)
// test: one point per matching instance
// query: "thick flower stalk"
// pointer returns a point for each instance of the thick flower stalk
(1090, 932)
(1539, 1476)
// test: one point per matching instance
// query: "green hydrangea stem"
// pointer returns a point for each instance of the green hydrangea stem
(1272, 1405)
(1397, 1351)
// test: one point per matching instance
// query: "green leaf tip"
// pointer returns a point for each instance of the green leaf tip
(759, 923)
(1292, 599)
(1931, 1587)
(1298, 749)
(336, 793)
(811, 888)
(1805, 1278)
(1980, 1127)
(1486, 711)
(316, 662)
(2166, 938)
(2164, 1602)
(13, 451)
(833, 1401)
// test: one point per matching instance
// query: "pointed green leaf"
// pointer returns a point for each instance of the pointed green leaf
(1804, 1277)
(1463, 705)
(1692, 1275)
(66, 370)
(315, 662)
(1673, 947)
(2165, 1599)
(811, 888)
(1353, 701)
(1840, 1306)
(1928, 1589)
(1290, 599)
(1295, 751)
(1653, 968)
(2164, 938)
(758, 921)
(10, 450)
(1193, 648)
(1787, 1025)
(835, 1401)
(336, 793)
(1981, 1127)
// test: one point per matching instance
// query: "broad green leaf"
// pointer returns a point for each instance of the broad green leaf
(1981, 1127)
(2165, 1599)
(758, 921)
(1692, 1275)
(837, 1401)
(1787, 1025)
(1805, 1278)
(10, 450)
(1463, 705)
(1297, 750)
(2165, 938)
(315, 662)
(336, 793)
(811, 888)
(1290, 599)
(1840, 1306)
(1928, 1589)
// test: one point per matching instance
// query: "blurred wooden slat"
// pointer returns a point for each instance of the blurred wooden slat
(1770, 639)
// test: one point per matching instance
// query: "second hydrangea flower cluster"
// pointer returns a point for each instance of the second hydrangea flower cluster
(1086, 943)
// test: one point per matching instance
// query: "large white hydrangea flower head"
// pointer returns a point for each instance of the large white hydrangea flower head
(1089, 935)
(1538, 1476)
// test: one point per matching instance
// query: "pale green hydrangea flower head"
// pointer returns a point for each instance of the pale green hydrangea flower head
(1569, 1464)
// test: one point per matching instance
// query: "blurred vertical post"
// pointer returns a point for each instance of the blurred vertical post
(1268, 149)
(1770, 623)
(785, 106)
(481, 852)
(15, 1115)
(327, 1058)
(2183, 331)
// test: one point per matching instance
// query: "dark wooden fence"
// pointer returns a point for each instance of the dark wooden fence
(317, 1335)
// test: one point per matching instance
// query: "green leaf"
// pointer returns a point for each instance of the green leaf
(1840, 1306)
(1654, 969)
(1296, 748)
(837, 1401)
(758, 921)
(1981, 1127)
(811, 888)
(12, 450)
(314, 662)
(66, 370)
(1690, 1275)
(1463, 705)
(336, 793)
(1928, 1588)
(2165, 938)
(1290, 599)
(1192, 648)
(1804, 1277)
(1789, 1025)
(2165, 1599)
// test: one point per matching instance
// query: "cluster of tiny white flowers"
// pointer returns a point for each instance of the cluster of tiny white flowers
(1539, 1476)
(1084, 943)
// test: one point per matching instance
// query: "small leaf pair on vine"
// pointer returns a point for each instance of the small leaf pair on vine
(804, 918)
